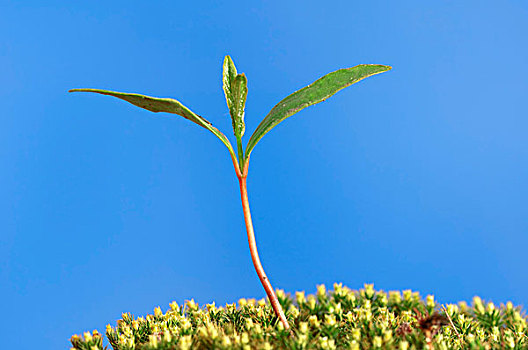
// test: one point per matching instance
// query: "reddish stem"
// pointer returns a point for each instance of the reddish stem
(253, 246)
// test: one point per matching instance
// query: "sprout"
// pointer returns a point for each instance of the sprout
(236, 89)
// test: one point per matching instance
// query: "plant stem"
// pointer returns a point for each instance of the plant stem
(253, 249)
(240, 154)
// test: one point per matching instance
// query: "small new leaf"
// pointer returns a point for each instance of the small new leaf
(240, 90)
(235, 89)
(168, 105)
(229, 74)
(314, 93)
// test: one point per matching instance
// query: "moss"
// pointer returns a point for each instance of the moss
(337, 319)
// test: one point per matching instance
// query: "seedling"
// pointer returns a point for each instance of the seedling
(235, 89)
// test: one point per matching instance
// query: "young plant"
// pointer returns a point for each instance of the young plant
(235, 89)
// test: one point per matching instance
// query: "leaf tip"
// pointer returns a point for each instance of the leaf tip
(81, 90)
(228, 59)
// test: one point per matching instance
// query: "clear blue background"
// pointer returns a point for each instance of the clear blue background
(416, 178)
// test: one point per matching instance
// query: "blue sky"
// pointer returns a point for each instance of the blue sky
(416, 178)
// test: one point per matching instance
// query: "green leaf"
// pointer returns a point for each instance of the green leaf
(229, 74)
(240, 90)
(314, 93)
(167, 105)
(235, 90)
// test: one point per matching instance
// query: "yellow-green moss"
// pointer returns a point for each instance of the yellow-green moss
(340, 319)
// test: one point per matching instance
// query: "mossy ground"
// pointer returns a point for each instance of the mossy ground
(337, 319)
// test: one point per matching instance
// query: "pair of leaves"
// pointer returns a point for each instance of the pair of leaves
(235, 89)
